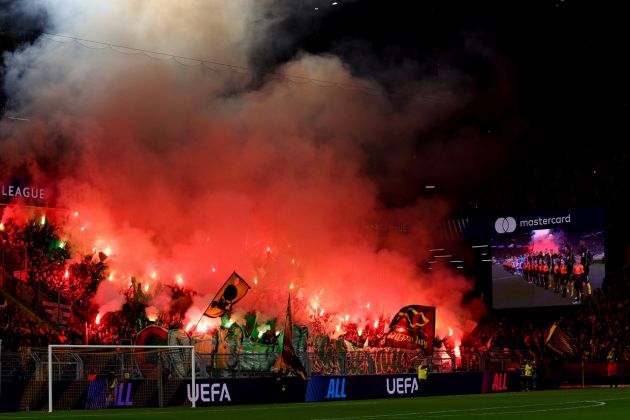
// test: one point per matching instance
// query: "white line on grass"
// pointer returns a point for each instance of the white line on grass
(470, 411)
(213, 409)
(445, 413)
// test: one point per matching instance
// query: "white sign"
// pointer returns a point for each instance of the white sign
(508, 224)
(505, 225)
(26, 192)
(402, 386)
(209, 392)
(540, 221)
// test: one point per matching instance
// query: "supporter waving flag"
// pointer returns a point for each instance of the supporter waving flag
(233, 290)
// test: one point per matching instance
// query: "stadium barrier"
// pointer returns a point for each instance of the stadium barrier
(95, 394)
(81, 381)
(32, 362)
(329, 388)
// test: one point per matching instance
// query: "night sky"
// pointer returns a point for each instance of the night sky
(548, 81)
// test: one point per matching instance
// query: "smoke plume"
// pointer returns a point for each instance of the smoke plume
(184, 172)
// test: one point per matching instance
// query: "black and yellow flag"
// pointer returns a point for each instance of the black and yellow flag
(231, 292)
(288, 358)
(559, 341)
(413, 328)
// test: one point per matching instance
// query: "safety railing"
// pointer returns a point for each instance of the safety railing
(31, 363)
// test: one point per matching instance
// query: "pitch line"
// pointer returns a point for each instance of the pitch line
(207, 408)
(469, 411)
(445, 413)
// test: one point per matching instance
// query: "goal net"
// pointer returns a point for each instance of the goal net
(116, 376)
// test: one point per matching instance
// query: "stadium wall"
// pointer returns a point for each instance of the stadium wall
(22, 395)
(98, 393)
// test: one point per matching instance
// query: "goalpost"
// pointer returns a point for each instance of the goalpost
(108, 368)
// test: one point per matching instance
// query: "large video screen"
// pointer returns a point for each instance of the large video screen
(550, 259)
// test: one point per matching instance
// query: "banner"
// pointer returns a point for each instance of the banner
(501, 381)
(98, 393)
(412, 328)
(329, 388)
(233, 290)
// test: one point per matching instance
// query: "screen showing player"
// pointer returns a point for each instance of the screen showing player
(550, 259)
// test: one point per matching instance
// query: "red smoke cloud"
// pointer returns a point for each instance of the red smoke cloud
(182, 173)
(543, 240)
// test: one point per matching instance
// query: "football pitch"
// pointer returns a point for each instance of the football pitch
(577, 404)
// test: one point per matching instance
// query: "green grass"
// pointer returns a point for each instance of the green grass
(591, 404)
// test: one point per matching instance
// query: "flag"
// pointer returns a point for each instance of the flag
(559, 341)
(231, 292)
(489, 342)
(413, 328)
(288, 358)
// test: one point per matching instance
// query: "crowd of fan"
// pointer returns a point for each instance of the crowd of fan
(602, 323)
(596, 327)
(500, 332)
(112, 331)
(20, 331)
(36, 261)
(36, 252)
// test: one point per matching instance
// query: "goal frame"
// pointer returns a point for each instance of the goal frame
(115, 346)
